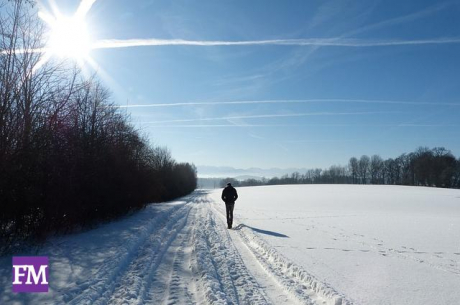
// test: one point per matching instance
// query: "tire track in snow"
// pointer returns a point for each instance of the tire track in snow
(126, 270)
(224, 276)
(173, 281)
(133, 287)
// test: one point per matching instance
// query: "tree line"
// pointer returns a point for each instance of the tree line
(436, 167)
(68, 157)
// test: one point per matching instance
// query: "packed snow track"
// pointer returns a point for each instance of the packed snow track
(175, 253)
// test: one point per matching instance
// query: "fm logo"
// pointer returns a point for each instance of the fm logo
(30, 273)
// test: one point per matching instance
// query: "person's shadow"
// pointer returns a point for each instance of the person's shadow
(271, 233)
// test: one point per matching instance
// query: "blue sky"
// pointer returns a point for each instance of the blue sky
(389, 84)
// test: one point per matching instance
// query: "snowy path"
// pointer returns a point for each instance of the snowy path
(181, 253)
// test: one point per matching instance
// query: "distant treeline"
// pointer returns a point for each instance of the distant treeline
(435, 167)
(68, 157)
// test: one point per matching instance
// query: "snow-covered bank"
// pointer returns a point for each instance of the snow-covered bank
(374, 244)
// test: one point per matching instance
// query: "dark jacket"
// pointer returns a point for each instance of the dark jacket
(229, 194)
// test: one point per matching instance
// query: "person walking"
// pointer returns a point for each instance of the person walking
(229, 196)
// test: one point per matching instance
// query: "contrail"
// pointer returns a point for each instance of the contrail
(24, 51)
(320, 42)
(303, 125)
(323, 42)
(269, 116)
(299, 101)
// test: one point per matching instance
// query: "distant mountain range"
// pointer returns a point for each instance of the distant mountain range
(205, 171)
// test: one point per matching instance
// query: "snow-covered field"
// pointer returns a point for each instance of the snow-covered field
(310, 244)
(375, 244)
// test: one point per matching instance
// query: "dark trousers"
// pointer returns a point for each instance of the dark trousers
(229, 207)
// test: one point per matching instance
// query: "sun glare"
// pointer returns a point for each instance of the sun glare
(69, 38)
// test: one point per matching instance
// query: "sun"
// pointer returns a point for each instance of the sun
(69, 38)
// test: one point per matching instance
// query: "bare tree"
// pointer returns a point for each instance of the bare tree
(376, 169)
(363, 170)
(456, 178)
(354, 167)
(391, 170)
